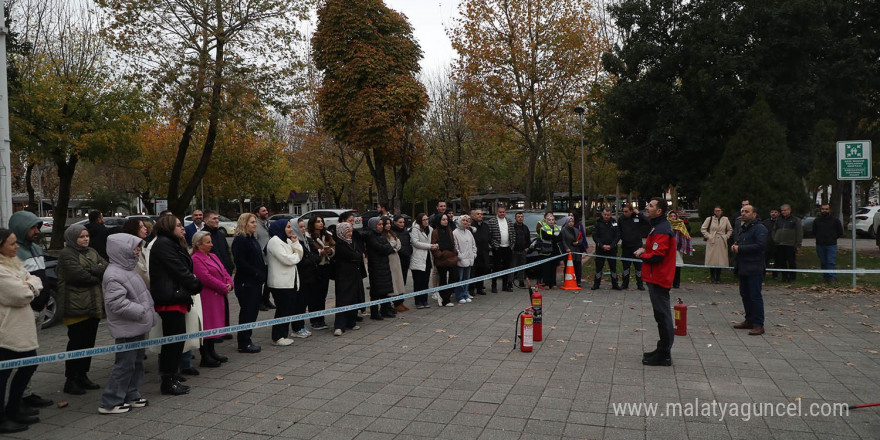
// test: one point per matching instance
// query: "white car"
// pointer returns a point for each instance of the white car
(46, 228)
(865, 220)
(227, 226)
(331, 217)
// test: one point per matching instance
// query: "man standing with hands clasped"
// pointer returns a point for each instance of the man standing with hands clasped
(658, 270)
(748, 250)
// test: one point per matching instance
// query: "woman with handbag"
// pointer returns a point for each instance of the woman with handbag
(445, 259)
(172, 286)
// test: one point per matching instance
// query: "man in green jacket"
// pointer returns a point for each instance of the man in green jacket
(787, 235)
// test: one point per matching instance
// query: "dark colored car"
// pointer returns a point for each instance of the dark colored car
(807, 224)
(50, 316)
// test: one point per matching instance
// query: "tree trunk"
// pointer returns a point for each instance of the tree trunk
(530, 178)
(32, 200)
(65, 181)
(377, 169)
(570, 189)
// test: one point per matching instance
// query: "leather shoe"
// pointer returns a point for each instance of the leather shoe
(659, 359)
(251, 348)
(86, 383)
(377, 317)
(756, 331)
(36, 401)
(190, 371)
(648, 354)
(178, 378)
(744, 325)
(18, 417)
(8, 427)
(72, 387)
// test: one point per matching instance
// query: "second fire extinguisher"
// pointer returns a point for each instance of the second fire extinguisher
(526, 323)
(537, 309)
(680, 323)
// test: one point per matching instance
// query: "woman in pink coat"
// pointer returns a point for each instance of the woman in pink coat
(216, 284)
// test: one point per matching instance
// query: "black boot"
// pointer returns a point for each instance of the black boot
(639, 284)
(596, 282)
(172, 387)
(15, 414)
(625, 284)
(9, 427)
(374, 313)
(72, 386)
(212, 350)
(614, 284)
(661, 358)
(86, 383)
(207, 360)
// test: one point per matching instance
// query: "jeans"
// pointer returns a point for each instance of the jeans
(446, 275)
(126, 377)
(753, 301)
(464, 274)
(519, 259)
(828, 259)
(663, 315)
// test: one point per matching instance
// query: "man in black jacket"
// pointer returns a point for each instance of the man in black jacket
(632, 225)
(606, 236)
(481, 237)
(520, 247)
(827, 229)
(97, 233)
(770, 253)
(749, 251)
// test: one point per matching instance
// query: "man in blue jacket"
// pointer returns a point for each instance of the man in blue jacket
(748, 250)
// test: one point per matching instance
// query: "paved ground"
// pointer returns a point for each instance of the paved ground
(452, 373)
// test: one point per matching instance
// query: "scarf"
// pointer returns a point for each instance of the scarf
(682, 236)
(444, 241)
(72, 234)
(341, 229)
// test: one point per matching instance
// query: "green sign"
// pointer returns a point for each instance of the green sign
(853, 160)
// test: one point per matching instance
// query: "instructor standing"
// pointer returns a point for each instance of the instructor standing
(658, 256)
(749, 251)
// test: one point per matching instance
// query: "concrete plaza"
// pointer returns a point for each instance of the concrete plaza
(451, 372)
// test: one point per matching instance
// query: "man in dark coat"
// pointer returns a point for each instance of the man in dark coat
(632, 225)
(606, 235)
(97, 233)
(749, 253)
(827, 229)
(482, 238)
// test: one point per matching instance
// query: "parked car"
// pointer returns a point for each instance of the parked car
(114, 224)
(865, 220)
(283, 216)
(151, 219)
(50, 315)
(531, 219)
(807, 224)
(46, 228)
(331, 216)
(227, 225)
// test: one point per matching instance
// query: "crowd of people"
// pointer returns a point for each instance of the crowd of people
(166, 279)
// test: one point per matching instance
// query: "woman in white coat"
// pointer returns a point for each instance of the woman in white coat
(716, 231)
(283, 253)
(467, 254)
(420, 262)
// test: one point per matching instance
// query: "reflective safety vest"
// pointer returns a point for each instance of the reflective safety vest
(545, 238)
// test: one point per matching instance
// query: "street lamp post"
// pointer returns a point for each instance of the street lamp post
(580, 112)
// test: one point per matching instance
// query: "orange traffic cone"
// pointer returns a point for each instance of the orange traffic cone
(570, 283)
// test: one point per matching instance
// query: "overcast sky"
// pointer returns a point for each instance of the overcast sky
(430, 19)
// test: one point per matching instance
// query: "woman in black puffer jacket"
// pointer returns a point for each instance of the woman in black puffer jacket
(172, 285)
(378, 250)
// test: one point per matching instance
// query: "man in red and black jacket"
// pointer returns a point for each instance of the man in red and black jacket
(658, 270)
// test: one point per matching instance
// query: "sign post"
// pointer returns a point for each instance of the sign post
(853, 163)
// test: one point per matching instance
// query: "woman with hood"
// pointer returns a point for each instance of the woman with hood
(216, 285)
(172, 286)
(18, 333)
(466, 247)
(129, 309)
(682, 244)
(283, 253)
(348, 267)
(445, 258)
(381, 284)
(80, 270)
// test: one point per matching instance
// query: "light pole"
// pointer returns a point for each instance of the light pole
(580, 112)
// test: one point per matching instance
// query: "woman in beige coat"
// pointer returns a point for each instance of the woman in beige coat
(716, 230)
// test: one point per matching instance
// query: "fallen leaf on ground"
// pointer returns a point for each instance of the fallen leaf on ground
(639, 330)
(279, 377)
(560, 340)
(612, 348)
(849, 364)
(62, 404)
(440, 330)
(261, 375)
(504, 341)
(452, 336)
(402, 324)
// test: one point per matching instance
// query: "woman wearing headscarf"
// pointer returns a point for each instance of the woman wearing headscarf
(348, 264)
(682, 244)
(216, 285)
(716, 230)
(250, 275)
(321, 245)
(172, 286)
(18, 333)
(129, 309)
(420, 238)
(379, 268)
(397, 280)
(549, 237)
(283, 253)
(445, 257)
(307, 270)
(81, 300)
(466, 247)
(398, 226)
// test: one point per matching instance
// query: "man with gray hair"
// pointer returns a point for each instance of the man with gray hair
(787, 235)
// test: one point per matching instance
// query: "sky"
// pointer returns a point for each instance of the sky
(429, 19)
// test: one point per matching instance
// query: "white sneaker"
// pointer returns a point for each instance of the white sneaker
(138, 403)
(439, 300)
(337, 332)
(302, 333)
(118, 409)
(470, 300)
(282, 342)
(462, 301)
(450, 304)
(357, 327)
(469, 296)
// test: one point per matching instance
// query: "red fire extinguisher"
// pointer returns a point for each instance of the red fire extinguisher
(681, 319)
(526, 330)
(537, 309)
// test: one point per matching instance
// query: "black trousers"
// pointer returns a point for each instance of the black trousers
(301, 300)
(502, 258)
(19, 380)
(249, 298)
(80, 336)
(600, 264)
(421, 279)
(785, 259)
(629, 252)
(283, 308)
(446, 275)
(345, 320)
(548, 271)
(480, 268)
(318, 298)
(663, 316)
(173, 323)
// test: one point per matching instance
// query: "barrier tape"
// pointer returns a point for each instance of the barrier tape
(119, 348)
(700, 266)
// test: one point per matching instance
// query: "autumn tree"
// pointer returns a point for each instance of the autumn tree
(524, 62)
(200, 56)
(370, 98)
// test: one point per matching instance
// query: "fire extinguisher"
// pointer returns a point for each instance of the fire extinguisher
(537, 309)
(681, 319)
(525, 320)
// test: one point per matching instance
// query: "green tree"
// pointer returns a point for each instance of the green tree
(370, 98)
(750, 167)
